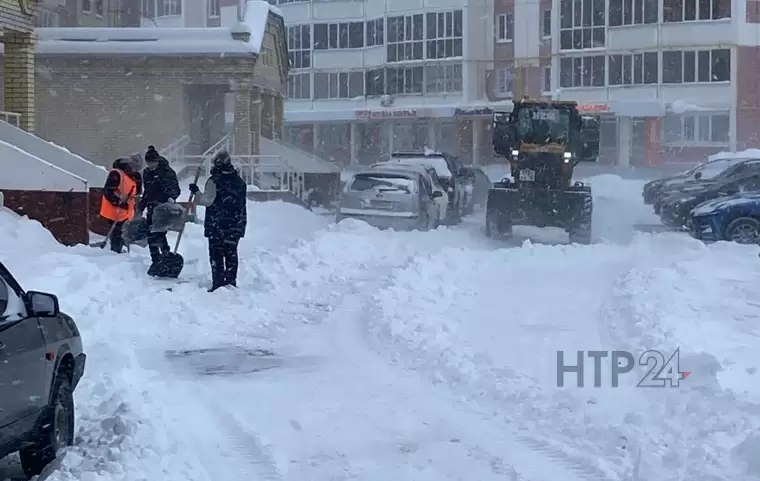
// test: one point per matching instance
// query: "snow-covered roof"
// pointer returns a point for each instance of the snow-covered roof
(160, 41)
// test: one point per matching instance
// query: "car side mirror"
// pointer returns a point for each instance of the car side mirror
(437, 194)
(698, 175)
(42, 304)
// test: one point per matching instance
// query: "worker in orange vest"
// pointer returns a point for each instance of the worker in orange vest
(118, 202)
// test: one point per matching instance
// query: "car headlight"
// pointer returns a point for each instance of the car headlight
(567, 155)
(515, 153)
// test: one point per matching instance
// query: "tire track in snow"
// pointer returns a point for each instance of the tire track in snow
(575, 465)
(534, 457)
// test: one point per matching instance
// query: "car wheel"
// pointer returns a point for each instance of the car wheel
(54, 433)
(744, 230)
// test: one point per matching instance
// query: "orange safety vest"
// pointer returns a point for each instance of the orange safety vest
(127, 186)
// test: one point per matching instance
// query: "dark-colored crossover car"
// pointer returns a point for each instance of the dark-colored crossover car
(735, 218)
(705, 171)
(675, 210)
(41, 363)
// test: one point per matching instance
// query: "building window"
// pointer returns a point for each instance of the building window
(444, 34)
(692, 10)
(505, 27)
(374, 82)
(404, 38)
(86, 6)
(505, 82)
(547, 79)
(99, 8)
(693, 66)
(635, 69)
(581, 24)
(403, 80)
(299, 86)
(214, 9)
(694, 130)
(267, 56)
(299, 46)
(46, 18)
(546, 24)
(633, 12)
(338, 85)
(168, 8)
(582, 71)
(334, 36)
(443, 78)
(375, 32)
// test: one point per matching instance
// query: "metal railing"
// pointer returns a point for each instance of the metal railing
(176, 150)
(12, 118)
(225, 143)
(265, 172)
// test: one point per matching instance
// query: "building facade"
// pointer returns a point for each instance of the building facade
(371, 77)
(17, 21)
(189, 13)
(672, 80)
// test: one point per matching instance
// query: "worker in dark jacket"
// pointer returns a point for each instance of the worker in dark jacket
(224, 197)
(118, 202)
(160, 185)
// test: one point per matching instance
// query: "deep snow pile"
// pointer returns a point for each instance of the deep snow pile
(414, 356)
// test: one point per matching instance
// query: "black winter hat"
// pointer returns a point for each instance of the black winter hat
(222, 159)
(152, 154)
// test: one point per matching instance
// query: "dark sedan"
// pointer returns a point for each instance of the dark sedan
(41, 363)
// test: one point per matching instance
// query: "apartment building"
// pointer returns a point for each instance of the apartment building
(672, 80)
(189, 13)
(88, 13)
(371, 77)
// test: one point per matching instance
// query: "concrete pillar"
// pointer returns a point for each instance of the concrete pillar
(242, 123)
(477, 137)
(625, 141)
(256, 117)
(279, 117)
(19, 76)
(391, 137)
(432, 135)
(355, 142)
(732, 137)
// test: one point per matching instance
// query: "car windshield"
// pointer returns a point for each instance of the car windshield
(438, 163)
(737, 169)
(541, 125)
(382, 182)
(711, 169)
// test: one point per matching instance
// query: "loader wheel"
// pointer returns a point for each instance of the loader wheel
(497, 227)
(580, 236)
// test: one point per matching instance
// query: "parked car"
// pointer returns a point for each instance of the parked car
(390, 198)
(41, 363)
(734, 218)
(703, 172)
(429, 172)
(450, 172)
(736, 170)
(675, 212)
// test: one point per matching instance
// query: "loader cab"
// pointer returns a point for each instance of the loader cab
(504, 133)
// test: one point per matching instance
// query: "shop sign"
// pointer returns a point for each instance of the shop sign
(473, 112)
(593, 108)
(386, 114)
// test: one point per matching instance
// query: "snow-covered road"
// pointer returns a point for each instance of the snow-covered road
(410, 356)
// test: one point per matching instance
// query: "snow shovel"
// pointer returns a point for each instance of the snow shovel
(102, 244)
(170, 264)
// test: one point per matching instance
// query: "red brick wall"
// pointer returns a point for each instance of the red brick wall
(64, 214)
